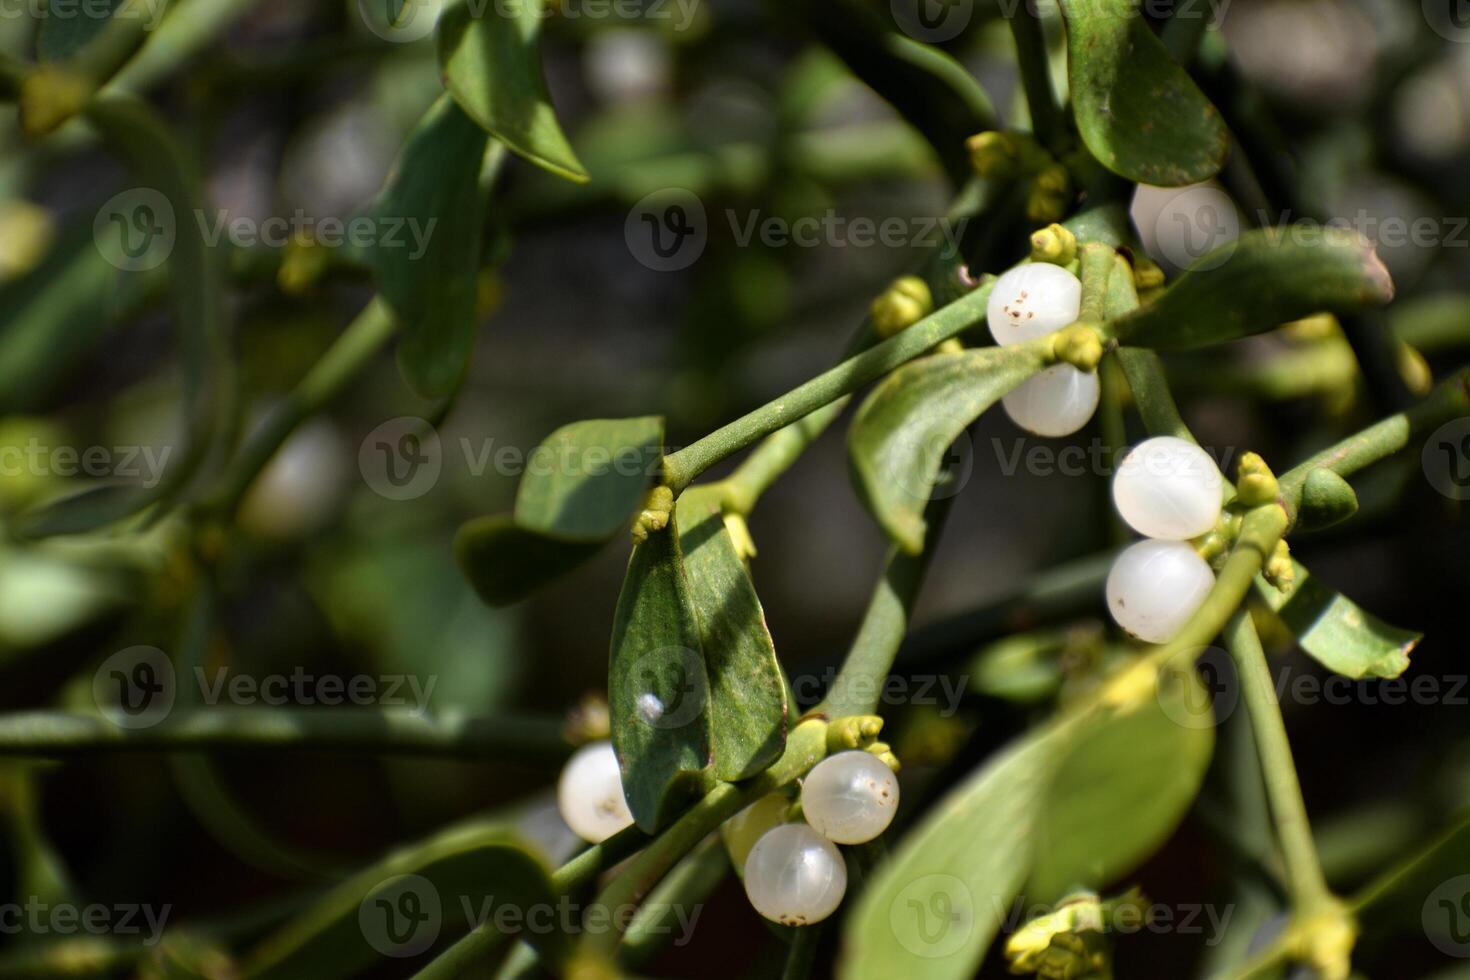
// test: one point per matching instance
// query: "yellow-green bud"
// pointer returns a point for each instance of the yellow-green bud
(904, 303)
(994, 155)
(1146, 273)
(1279, 570)
(1414, 370)
(49, 97)
(657, 507)
(1080, 346)
(1256, 485)
(1044, 205)
(1053, 244)
(853, 732)
(1325, 942)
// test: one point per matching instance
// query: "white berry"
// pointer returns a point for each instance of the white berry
(1154, 587)
(1057, 402)
(590, 793)
(1168, 487)
(1032, 301)
(795, 876)
(850, 797)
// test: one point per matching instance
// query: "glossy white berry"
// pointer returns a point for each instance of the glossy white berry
(1154, 587)
(1031, 301)
(589, 793)
(1168, 488)
(795, 876)
(1057, 402)
(850, 797)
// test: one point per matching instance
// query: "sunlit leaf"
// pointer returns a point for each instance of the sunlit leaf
(903, 430)
(747, 692)
(1123, 788)
(1262, 280)
(587, 479)
(933, 908)
(492, 66)
(505, 563)
(427, 269)
(1336, 632)
(658, 690)
(1138, 112)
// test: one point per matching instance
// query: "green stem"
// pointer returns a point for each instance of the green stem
(1097, 264)
(682, 467)
(1145, 374)
(1035, 64)
(48, 734)
(668, 908)
(1449, 399)
(342, 362)
(1305, 881)
(802, 954)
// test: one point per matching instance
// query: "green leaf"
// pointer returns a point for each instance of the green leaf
(492, 66)
(1138, 112)
(1336, 632)
(138, 135)
(430, 282)
(747, 691)
(933, 908)
(903, 430)
(1262, 280)
(658, 691)
(381, 911)
(68, 26)
(1327, 499)
(506, 563)
(1123, 788)
(587, 479)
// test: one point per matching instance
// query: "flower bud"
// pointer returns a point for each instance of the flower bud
(1256, 485)
(901, 305)
(1054, 244)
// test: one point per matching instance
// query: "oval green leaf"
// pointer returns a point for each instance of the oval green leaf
(492, 66)
(933, 908)
(426, 255)
(1123, 788)
(505, 563)
(1262, 280)
(747, 691)
(658, 690)
(587, 479)
(903, 430)
(391, 908)
(1137, 110)
(1336, 632)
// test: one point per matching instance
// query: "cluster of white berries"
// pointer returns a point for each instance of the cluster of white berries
(794, 874)
(1032, 301)
(1170, 491)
